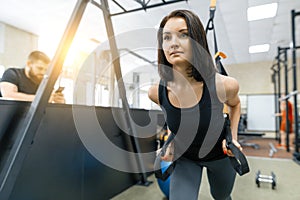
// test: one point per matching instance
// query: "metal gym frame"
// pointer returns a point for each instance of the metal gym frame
(276, 79)
(11, 161)
(282, 59)
(294, 14)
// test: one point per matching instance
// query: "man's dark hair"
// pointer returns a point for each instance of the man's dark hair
(38, 55)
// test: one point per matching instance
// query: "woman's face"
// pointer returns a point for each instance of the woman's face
(176, 42)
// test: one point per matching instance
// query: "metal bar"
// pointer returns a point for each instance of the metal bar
(273, 67)
(287, 48)
(120, 5)
(143, 3)
(274, 80)
(122, 91)
(289, 95)
(286, 84)
(27, 127)
(279, 89)
(97, 4)
(294, 65)
(147, 7)
(139, 56)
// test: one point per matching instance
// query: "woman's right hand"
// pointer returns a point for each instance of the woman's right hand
(169, 155)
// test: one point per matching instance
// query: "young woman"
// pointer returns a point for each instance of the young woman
(192, 94)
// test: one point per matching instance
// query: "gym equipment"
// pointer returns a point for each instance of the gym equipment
(296, 157)
(260, 178)
(239, 161)
(295, 14)
(243, 135)
(211, 27)
(276, 68)
(289, 95)
(68, 154)
(164, 185)
(163, 169)
(272, 150)
(158, 171)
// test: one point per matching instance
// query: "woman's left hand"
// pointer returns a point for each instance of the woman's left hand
(228, 151)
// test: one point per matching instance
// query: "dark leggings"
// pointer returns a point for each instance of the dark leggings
(186, 179)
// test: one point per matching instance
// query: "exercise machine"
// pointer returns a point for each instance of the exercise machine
(276, 79)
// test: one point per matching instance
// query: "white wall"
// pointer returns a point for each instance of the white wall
(255, 78)
(15, 45)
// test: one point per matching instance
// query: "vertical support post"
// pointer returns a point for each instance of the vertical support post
(279, 87)
(27, 127)
(286, 86)
(274, 81)
(122, 90)
(294, 65)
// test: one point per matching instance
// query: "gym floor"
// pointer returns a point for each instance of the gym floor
(264, 148)
(287, 179)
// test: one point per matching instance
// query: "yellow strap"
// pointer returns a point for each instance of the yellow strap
(221, 54)
(213, 3)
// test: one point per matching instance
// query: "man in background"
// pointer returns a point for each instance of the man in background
(283, 125)
(22, 83)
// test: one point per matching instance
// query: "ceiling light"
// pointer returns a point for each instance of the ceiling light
(259, 48)
(262, 11)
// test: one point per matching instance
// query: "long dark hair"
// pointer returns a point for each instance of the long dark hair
(198, 40)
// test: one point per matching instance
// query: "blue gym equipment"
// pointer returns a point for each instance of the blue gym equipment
(164, 185)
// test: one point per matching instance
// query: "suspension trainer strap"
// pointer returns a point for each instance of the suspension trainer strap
(158, 171)
(210, 26)
(239, 161)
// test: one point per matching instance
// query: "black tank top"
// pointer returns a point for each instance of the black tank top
(190, 125)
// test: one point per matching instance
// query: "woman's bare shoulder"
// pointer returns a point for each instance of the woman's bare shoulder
(227, 87)
(153, 93)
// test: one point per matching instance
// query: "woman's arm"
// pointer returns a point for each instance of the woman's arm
(227, 90)
(153, 94)
(233, 103)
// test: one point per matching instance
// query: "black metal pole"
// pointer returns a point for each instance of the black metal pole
(276, 105)
(279, 88)
(145, 7)
(294, 65)
(27, 127)
(274, 81)
(122, 90)
(286, 87)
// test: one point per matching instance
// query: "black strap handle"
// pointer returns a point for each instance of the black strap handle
(157, 168)
(239, 161)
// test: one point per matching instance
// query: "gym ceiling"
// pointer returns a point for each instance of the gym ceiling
(48, 19)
